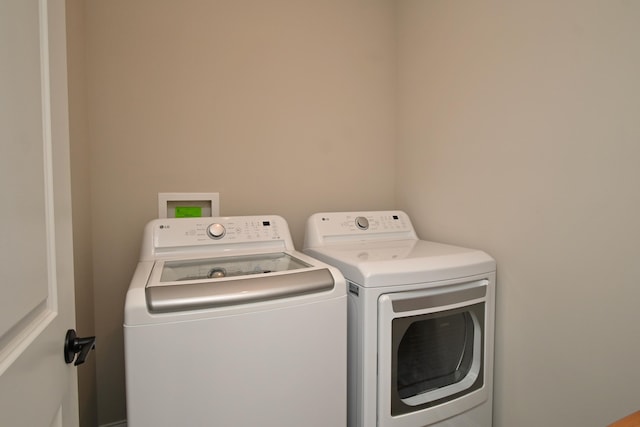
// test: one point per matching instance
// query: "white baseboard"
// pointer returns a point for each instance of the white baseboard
(122, 423)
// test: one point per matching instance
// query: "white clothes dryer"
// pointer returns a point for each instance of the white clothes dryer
(420, 321)
(227, 325)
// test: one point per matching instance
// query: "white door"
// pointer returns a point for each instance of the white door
(37, 387)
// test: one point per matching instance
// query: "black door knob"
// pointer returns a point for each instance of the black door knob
(74, 345)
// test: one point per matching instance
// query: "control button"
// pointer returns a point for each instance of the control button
(216, 231)
(362, 223)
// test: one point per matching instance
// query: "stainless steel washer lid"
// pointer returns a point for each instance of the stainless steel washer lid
(402, 262)
(179, 285)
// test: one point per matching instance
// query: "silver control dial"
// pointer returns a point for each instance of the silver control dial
(216, 231)
(362, 223)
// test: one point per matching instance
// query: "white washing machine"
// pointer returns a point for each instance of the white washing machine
(421, 321)
(227, 325)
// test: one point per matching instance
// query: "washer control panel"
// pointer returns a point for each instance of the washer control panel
(247, 230)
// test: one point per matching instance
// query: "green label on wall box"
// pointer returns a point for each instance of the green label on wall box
(188, 211)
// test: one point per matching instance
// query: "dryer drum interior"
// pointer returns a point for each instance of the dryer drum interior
(437, 357)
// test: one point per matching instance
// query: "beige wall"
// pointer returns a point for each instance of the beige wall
(282, 107)
(520, 134)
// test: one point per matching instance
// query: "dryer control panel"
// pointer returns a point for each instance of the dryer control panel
(323, 228)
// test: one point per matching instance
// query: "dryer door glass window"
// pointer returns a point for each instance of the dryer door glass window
(438, 357)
